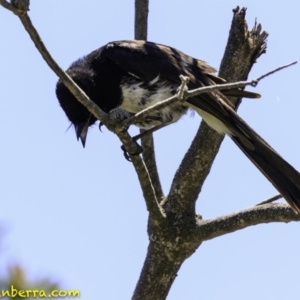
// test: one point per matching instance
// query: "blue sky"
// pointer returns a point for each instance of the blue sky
(77, 216)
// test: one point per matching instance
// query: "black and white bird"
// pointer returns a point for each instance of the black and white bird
(134, 75)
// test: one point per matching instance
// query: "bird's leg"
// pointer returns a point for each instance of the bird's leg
(142, 134)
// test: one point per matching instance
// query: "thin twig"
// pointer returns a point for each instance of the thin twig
(180, 96)
(276, 70)
(272, 199)
(141, 12)
(219, 87)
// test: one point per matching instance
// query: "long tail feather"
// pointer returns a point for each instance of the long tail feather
(280, 173)
(218, 115)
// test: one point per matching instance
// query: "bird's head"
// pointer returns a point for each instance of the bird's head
(79, 116)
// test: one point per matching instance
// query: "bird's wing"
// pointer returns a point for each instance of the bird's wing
(147, 60)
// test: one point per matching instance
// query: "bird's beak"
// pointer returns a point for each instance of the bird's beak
(82, 130)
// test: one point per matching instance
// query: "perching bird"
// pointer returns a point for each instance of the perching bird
(133, 75)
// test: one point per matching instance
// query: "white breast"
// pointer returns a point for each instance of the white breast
(138, 96)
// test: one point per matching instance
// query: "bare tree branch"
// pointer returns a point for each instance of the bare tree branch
(149, 192)
(250, 44)
(159, 271)
(147, 141)
(70, 84)
(275, 212)
(141, 19)
(247, 47)
(161, 267)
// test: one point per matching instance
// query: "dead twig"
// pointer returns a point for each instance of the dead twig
(183, 95)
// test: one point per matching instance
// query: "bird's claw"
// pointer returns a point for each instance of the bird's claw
(138, 151)
(100, 125)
